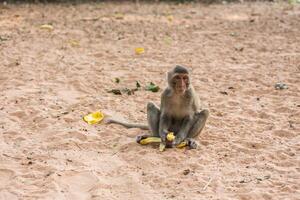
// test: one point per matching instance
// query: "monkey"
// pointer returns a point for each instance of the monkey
(179, 112)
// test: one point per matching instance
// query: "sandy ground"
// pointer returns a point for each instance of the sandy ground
(249, 148)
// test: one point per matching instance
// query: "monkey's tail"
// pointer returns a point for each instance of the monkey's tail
(127, 125)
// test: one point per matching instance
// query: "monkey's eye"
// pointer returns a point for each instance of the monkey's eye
(177, 77)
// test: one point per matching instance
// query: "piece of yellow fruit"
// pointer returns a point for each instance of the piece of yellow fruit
(93, 118)
(119, 16)
(168, 40)
(47, 27)
(170, 136)
(74, 43)
(139, 50)
(150, 140)
(162, 147)
(182, 144)
(170, 18)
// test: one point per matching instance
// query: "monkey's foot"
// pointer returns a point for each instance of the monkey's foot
(192, 144)
(141, 137)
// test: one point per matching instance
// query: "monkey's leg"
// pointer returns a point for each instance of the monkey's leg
(153, 115)
(200, 119)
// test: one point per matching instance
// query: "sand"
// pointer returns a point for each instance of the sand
(49, 79)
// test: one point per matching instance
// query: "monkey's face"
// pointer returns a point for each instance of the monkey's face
(180, 83)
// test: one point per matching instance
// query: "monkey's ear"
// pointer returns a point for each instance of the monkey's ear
(169, 77)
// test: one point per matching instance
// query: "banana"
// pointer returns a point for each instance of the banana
(182, 144)
(162, 147)
(149, 140)
(170, 137)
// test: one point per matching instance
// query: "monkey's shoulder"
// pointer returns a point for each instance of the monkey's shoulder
(191, 100)
(190, 94)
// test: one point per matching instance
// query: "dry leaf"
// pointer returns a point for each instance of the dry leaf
(47, 27)
(74, 43)
(115, 91)
(119, 16)
(138, 85)
(170, 18)
(117, 80)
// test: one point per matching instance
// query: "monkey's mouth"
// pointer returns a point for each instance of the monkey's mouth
(180, 90)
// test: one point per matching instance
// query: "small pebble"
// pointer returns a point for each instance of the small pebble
(281, 86)
(186, 171)
(223, 92)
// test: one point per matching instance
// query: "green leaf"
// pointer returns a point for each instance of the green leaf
(152, 87)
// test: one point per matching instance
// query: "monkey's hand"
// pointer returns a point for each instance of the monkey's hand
(163, 136)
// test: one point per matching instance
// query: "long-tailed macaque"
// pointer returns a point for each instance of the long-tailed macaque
(180, 111)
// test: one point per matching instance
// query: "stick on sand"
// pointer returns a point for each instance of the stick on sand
(207, 184)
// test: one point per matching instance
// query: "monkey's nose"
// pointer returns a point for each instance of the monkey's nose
(181, 83)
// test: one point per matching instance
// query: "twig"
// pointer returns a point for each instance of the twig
(4, 154)
(78, 145)
(207, 184)
(91, 19)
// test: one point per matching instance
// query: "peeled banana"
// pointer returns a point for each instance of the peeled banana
(149, 140)
(170, 138)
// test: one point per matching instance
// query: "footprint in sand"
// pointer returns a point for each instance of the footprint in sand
(73, 135)
(8, 195)
(6, 175)
(10, 136)
(19, 114)
(284, 134)
(78, 185)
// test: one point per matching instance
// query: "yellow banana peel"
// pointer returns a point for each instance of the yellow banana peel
(149, 140)
(93, 118)
(170, 138)
(182, 144)
(162, 147)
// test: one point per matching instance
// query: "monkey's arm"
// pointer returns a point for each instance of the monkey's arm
(164, 123)
(164, 118)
